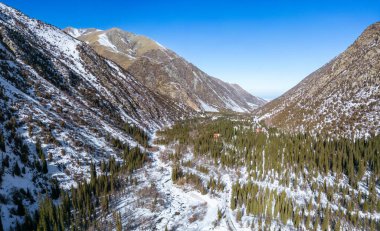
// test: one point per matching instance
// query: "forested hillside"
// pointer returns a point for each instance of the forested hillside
(288, 181)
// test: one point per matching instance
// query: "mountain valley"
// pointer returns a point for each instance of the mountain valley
(109, 130)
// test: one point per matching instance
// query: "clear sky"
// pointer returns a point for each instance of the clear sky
(265, 46)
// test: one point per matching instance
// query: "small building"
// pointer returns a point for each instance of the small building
(216, 136)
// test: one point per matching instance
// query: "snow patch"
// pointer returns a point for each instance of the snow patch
(207, 107)
(104, 41)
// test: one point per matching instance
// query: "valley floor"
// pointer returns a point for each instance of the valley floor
(159, 203)
(156, 203)
(200, 197)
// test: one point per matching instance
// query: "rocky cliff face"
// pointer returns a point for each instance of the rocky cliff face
(166, 73)
(340, 98)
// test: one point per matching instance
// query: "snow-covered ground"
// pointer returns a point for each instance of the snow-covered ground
(181, 208)
(156, 203)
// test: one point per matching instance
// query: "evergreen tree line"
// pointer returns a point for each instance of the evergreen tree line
(239, 146)
(78, 207)
(81, 206)
(137, 133)
(267, 204)
(270, 154)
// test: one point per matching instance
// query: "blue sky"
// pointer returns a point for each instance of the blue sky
(265, 46)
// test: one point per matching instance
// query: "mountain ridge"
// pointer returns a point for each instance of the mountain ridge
(165, 72)
(341, 97)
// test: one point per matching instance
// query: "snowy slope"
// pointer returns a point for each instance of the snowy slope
(55, 89)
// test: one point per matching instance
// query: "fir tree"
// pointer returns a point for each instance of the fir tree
(337, 225)
(44, 165)
(1, 222)
(16, 170)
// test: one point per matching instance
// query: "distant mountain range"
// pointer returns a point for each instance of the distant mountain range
(166, 73)
(341, 98)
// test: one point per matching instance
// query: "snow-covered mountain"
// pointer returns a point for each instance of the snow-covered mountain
(340, 98)
(62, 106)
(165, 72)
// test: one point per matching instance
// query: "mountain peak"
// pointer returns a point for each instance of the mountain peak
(74, 32)
(374, 26)
(165, 72)
(370, 35)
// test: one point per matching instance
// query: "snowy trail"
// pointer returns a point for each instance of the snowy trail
(182, 202)
(181, 207)
(229, 217)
